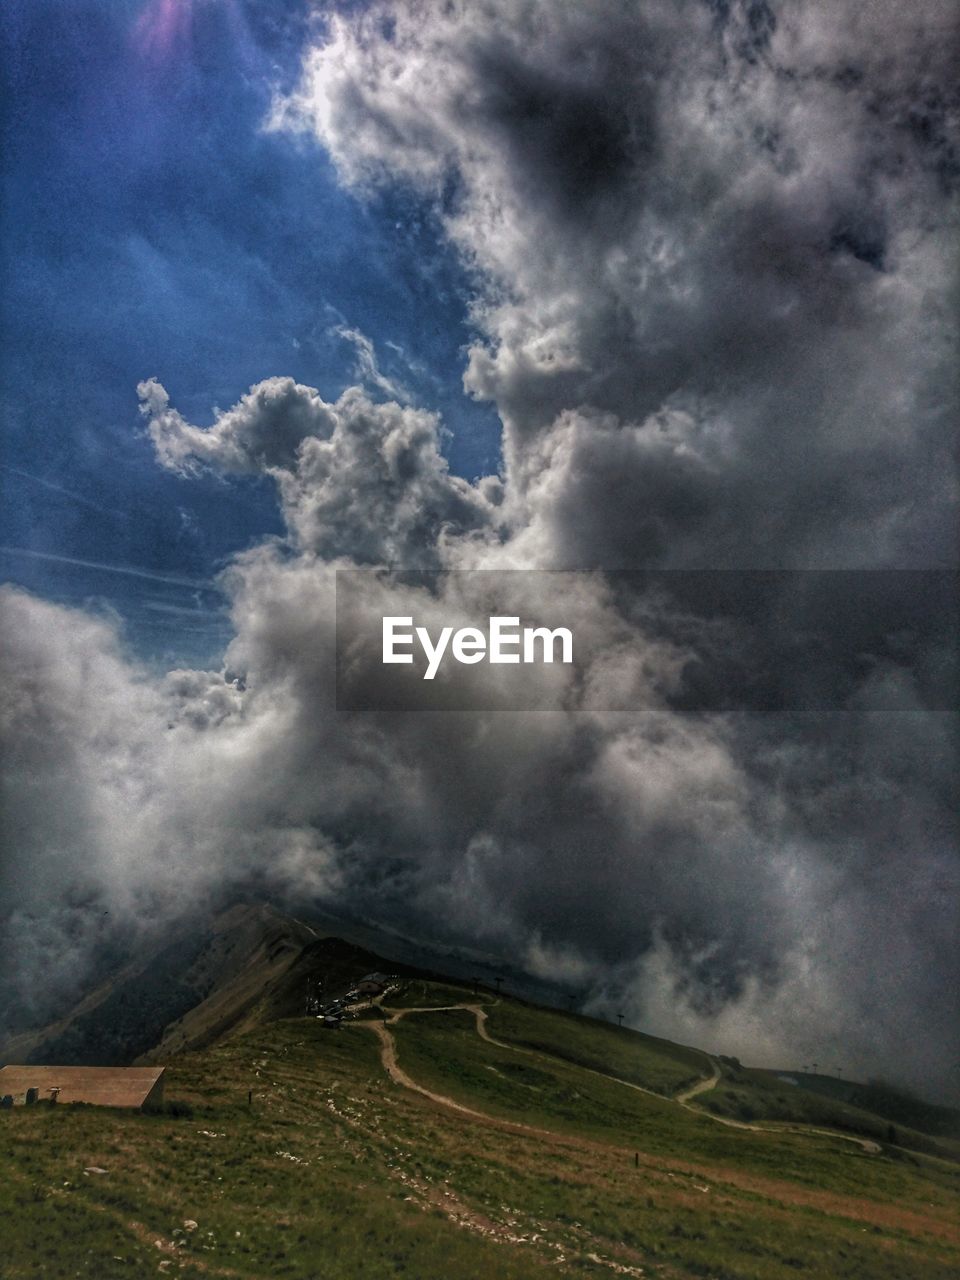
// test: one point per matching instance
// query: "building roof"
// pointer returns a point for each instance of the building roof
(102, 1086)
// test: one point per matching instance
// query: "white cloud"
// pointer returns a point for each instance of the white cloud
(367, 368)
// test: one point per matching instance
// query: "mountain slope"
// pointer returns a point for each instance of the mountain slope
(251, 965)
(206, 974)
(470, 1159)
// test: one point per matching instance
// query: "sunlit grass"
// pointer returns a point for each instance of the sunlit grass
(335, 1172)
(644, 1060)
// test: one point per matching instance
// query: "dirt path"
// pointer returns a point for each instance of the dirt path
(684, 1098)
(701, 1086)
(427, 1008)
(481, 1015)
(388, 1056)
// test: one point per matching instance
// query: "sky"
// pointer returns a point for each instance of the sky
(659, 295)
(152, 224)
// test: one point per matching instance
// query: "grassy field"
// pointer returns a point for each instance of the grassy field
(336, 1173)
(644, 1060)
(758, 1095)
(443, 1052)
(744, 1094)
(893, 1105)
(307, 1182)
(823, 1175)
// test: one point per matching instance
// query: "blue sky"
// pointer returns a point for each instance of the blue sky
(153, 228)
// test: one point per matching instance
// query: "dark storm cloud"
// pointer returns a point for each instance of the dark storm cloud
(720, 228)
(711, 249)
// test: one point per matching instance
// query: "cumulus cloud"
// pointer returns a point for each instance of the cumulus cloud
(355, 478)
(722, 226)
(709, 252)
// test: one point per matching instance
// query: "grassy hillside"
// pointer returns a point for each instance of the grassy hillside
(301, 1184)
(742, 1094)
(749, 1095)
(185, 992)
(245, 966)
(336, 1171)
(892, 1104)
(645, 1060)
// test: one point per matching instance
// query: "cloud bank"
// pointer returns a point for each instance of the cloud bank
(714, 296)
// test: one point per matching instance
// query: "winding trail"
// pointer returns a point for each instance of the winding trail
(484, 1034)
(685, 1096)
(388, 1056)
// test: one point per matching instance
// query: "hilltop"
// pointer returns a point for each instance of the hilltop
(246, 965)
(252, 965)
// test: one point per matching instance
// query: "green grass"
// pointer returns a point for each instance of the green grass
(750, 1235)
(335, 1173)
(645, 1060)
(893, 1105)
(442, 1051)
(339, 1214)
(749, 1095)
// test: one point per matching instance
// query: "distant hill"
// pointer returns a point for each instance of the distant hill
(249, 964)
(274, 983)
(887, 1101)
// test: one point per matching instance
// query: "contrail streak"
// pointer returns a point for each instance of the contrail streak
(128, 571)
(67, 493)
